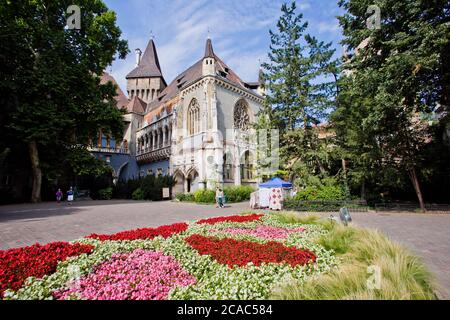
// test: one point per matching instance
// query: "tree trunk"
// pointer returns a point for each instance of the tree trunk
(321, 167)
(363, 190)
(416, 184)
(37, 173)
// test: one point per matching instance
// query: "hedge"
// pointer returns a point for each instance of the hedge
(324, 205)
(232, 194)
(314, 193)
(147, 188)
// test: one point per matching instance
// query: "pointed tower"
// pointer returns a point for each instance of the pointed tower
(146, 80)
(209, 60)
(261, 90)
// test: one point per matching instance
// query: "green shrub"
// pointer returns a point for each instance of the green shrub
(150, 186)
(185, 197)
(232, 194)
(138, 194)
(205, 196)
(328, 192)
(105, 194)
(331, 193)
(238, 193)
(125, 189)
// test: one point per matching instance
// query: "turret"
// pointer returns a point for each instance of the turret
(209, 60)
(146, 80)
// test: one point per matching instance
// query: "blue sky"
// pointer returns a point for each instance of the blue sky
(239, 30)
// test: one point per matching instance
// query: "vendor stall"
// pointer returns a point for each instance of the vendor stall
(272, 193)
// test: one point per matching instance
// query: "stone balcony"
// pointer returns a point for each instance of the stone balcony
(109, 150)
(152, 155)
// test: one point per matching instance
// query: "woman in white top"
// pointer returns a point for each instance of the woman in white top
(219, 198)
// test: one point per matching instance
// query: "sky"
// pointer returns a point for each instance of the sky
(239, 30)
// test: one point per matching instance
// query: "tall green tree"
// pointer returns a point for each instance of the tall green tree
(398, 75)
(300, 81)
(50, 88)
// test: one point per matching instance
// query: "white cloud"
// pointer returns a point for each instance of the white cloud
(181, 28)
(328, 27)
(304, 5)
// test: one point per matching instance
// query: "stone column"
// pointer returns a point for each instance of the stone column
(204, 110)
(164, 134)
(237, 172)
(214, 110)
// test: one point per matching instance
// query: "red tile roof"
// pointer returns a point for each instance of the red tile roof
(149, 64)
(193, 73)
(120, 97)
(137, 105)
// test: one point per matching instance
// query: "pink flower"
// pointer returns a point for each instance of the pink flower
(265, 232)
(140, 275)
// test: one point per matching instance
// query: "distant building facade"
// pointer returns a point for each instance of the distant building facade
(196, 128)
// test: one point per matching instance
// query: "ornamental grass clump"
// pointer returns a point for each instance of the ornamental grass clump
(364, 252)
(295, 218)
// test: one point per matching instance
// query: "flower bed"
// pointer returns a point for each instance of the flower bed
(251, 217)
(237, 257)
(140, 275)
(145, 233)
(240, 253)
(264, 232)
(16, 265)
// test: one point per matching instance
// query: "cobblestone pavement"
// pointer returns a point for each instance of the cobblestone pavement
(26, 224)
(427, 235)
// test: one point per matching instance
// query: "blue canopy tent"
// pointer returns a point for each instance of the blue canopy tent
(276, 183)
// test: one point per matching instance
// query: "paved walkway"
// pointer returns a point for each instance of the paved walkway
(26, 224)
(427, 235)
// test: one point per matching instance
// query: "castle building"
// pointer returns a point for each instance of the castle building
(196, 128)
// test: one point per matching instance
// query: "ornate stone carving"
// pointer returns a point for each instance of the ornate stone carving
(241, 117)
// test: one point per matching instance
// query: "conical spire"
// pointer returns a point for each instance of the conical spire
(209, 52)
(148, 65)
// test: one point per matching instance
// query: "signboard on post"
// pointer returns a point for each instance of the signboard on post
(166, 193)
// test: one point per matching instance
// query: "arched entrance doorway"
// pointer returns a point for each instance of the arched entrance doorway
(192, 181)
(247, 168)
(179, 184)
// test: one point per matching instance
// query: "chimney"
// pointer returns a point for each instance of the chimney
(138, 56)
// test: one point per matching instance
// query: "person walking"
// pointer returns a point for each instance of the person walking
(59, 195)
(70, 196)
(219, 198)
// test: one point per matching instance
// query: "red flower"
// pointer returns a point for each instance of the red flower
(251, 217)
(239, 253)
(16, 265)
(145, 233)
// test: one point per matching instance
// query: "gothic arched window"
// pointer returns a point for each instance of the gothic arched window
(247, 166)
(241, 117)
(228, 167)
(193, 117)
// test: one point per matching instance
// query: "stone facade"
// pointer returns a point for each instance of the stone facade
(196, 128)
